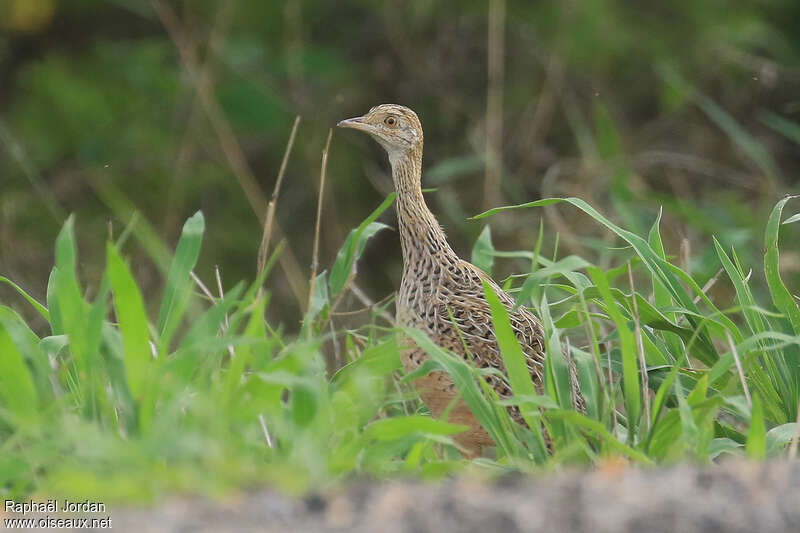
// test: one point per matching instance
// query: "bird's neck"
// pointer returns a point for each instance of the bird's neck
(421, 237)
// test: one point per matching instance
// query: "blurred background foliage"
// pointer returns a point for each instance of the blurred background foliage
(162, 108)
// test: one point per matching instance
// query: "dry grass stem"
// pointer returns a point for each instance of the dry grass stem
(315, 249)
(367, 309)
(403, 403)
(32, 174)
(640, 350)
(610, 384)
(584, 137)
(218, 277)
(739, 368)
(535, 121)
(366, 300)
(207, 72)
(222, 128)
(203, 287)
(707, 287)
(211, 297)
(494, 104)
(560, 226)
(337, 351)
(264, 429)
(227, 140)
(685, 254)
(704, 290)
(588, 327)
(226, 323)
(273, 201)
(645, 161)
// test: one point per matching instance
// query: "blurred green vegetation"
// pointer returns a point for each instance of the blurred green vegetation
(691, 106)
(210, 398)
(679, 121)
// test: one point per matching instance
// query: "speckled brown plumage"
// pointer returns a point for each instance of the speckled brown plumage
(436, 283)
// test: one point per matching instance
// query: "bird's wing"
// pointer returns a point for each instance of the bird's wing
(463, 302)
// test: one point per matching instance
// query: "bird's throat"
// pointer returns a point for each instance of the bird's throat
(421, 236)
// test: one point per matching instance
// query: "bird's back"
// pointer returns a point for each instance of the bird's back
(445, 298)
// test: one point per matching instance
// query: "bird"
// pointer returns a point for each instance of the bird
(442, 294)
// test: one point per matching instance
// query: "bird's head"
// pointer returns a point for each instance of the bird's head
(395, 127)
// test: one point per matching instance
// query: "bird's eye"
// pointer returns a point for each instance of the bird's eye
(390, 121)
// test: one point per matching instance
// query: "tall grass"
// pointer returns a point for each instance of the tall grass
(208, 396)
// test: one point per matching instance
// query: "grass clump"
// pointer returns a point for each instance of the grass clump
(207, 396)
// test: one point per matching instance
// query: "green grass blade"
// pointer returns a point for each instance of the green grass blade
(209, 324)
(405, 426)
(756, 445)
(661, 296)
(743, 293)
(740, 137)
(690, 432)
(254, 328)
(348, 256)
(56, 323)
(33, 351)
(124, 415)
(589, 382)
(658, 403)
(483, 251)
(652, 260)
(780, 294)
(95, 318)
(780, 436)
(630, 362)
(147, 235)
(774, 382)
(596, 407)
(42, 310)
(555, 359)
(320, 301)
(73, 310)
(179, 284)
(132, 322)
(519, 376)
(17, 389)
(354, 245)
(662, 392)
(746, 142)
(787, 128)
(661, 270)
(566, 267)
(596, 427)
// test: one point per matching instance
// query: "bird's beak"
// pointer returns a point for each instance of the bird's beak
(356, 123)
